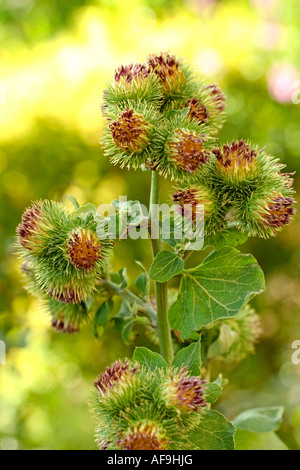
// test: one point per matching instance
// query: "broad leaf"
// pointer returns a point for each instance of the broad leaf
(165, 266)
(246, 440)
(212, 392)
(149, 359)
(189, 357)
(142, 281)
(260, 419)
(217, 289)
(213, 433)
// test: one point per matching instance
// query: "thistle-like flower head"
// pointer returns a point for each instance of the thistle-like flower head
(187, 151)
(130, 131)
(128, 73)
(37, 224)
(84, 249)
(186, 392)
(237, 160)
(66, 317)
(132, 135)
(186, 147)
(115, 375)
(133, 82)
(197, 111)
(207, 106)
(143, 436)
(29, 224)
(277, 212)
(174, 75)
(190, 198)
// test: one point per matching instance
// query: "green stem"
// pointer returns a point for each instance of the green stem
(126, 294)
(161, 288)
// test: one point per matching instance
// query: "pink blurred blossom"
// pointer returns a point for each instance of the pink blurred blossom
(281, 82)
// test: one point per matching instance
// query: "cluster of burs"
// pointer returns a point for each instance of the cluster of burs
(159, 117)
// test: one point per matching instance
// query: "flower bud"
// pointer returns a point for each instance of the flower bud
(146, 435)
(37, 225)
(174, 75)
(130, 131)
(131, 136)
(66, 317)
(185, 392)
(133, 82)
(84, 249)
(190, 197)
(277, 212)
(207, 107)
(236, 161)
(114, 376)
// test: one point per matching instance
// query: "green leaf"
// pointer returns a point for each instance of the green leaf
(217, 289)
(213, 433)
(101, 317)
(151, 360)
(142, 281)
(227, 237)
(127, 331)
(212, 392)
(165, 266)
(260, 419)
(246, 440)
(190, 357)
(73, 201)
(120, 278)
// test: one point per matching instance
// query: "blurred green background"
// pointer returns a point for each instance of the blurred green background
(55, 58)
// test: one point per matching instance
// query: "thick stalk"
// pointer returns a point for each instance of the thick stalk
(161, 288)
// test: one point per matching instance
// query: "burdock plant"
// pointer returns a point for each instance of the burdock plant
(160, 118)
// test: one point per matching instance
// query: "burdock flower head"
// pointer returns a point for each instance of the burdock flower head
(207, 106)
(115, 375)
(37, 225)
(195, 201)
(130, 131)
(174, 75)
(185, 148)
(131, 136)
(189, 198)
(72, 261)
(133, 82)
(66, 317)
(145, 435)
(277, 212)
(83, 249)
(185, 392)
(237, 161)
